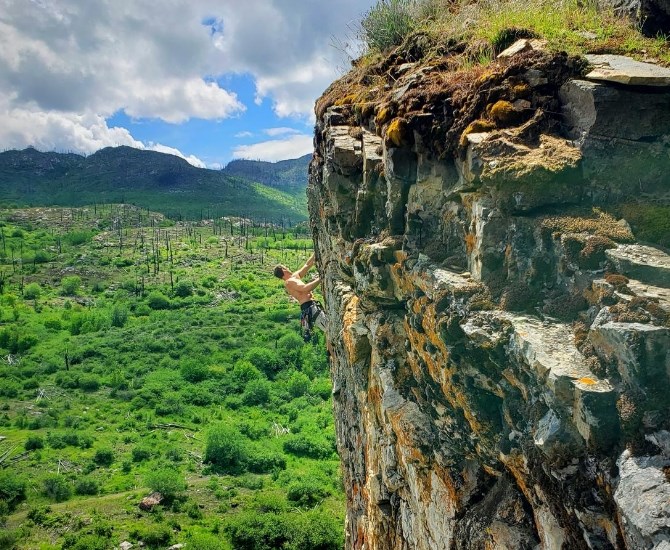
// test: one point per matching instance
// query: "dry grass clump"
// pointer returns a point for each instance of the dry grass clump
(618, 281)
(595, 223)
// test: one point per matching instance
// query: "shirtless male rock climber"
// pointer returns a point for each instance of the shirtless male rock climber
(312, 313)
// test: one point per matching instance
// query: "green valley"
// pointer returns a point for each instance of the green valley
(140, 355)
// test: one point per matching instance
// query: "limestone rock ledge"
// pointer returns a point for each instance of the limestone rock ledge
(501, 350)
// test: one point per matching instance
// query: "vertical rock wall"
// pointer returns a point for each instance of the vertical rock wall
(501, 352)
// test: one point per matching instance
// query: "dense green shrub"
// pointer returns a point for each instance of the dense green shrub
(34, 442)
(307, 492)
(267, 531)
(12, 488)
(70, 285)
(205, 541)
(225, 449)
(183, 289)
(153, 536)
(289, 350)
(140, 454)
(76, 541)
(194, 371)
(158, 300)
(89, 383)
(256, 392)
(86, 486)
(242, 373)
(56, 487)
(103, 457)
(32, 291)
(264, 360)
(167, 481)
(119, 316)
(9, 538)
(263, 461)
(309, 447)
(298, 384)
(78, 237)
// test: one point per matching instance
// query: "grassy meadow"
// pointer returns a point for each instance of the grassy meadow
(141, 355)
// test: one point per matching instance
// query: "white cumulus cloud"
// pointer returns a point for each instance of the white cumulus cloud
(276, 149)
(280, 131)
(68, 65)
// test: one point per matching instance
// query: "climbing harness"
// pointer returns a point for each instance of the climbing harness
(309, 313)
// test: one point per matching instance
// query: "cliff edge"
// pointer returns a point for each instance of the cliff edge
(491, 241)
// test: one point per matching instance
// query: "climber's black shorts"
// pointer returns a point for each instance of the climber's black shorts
(312, 315)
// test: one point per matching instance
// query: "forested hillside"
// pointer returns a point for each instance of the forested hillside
(161, 182)
(287, 175)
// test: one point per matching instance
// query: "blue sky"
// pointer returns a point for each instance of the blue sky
(209, 80)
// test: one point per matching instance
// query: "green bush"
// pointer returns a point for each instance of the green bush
(194, 371)
(32, 291)
(34, 442)
(307, 492)
(119, 316)
(264, 360)
(256, 392)
(167, 481)
(387, 24)
(140, 454)
(205, 541)
(308, 447)
(183, 289)
(154, 536)
(9, 538)
(12, 488)
(263, 461)
(56, 487)
(103, 457)
(70, 285)
(242, 373)
(158, 300)
(225, 449)
(268, 531)
(298, 384)
(86, 487)
(89, 383)
(78, 237)
(77, 541)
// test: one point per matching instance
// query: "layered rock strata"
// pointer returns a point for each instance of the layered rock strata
(501, 350)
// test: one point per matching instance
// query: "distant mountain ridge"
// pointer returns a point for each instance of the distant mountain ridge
(156, 180)
(285, 174)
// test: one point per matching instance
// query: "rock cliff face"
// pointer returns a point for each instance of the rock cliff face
(501, 350)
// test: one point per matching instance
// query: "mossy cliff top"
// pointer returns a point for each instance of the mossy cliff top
(445, 77)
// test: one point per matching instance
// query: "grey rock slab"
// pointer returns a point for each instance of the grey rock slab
(345, 152)
(650, 291)
(644, 263)
(641, 351)
(624, 70)
(643, 500)
(549, 350)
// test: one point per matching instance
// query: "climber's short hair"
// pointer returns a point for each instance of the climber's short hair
(279, 271)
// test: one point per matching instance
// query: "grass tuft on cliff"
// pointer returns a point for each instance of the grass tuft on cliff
(568, 25)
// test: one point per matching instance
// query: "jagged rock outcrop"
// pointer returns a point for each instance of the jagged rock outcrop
(501, 350)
